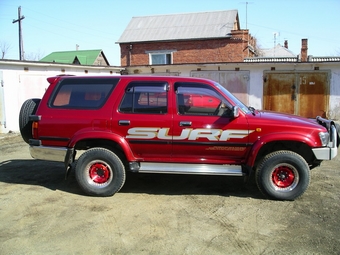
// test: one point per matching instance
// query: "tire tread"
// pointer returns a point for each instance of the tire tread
(303, 175)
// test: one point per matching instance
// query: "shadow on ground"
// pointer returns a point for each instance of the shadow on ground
(51, 175)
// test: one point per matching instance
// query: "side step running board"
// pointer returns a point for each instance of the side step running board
(178, 168)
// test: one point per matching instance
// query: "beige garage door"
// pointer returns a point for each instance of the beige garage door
(301, 93)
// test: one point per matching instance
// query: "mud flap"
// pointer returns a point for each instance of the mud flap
(247, 170)
(69, 159)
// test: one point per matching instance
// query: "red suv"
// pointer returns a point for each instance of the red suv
(171, 125)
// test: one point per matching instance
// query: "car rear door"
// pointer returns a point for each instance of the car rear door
(142, 117)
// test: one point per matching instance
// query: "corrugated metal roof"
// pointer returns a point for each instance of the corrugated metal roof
(200, 25)
(277, 51)
(85, 57)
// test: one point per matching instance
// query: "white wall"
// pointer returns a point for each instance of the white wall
(23, 80)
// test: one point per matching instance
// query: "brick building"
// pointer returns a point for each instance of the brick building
(205, 37)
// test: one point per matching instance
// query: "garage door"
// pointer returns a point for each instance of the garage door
(237, 82)
(301, 93)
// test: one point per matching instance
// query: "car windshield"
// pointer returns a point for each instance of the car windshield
(237, 102)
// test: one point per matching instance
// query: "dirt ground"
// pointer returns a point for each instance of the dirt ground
(42, 213)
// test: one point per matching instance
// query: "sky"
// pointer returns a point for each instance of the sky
(51, 25)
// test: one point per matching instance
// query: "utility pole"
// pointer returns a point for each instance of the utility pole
(21, 47)
(246, 3)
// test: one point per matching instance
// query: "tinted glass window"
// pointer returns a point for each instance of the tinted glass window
(145, 97)
(199, 99)
(83, 93)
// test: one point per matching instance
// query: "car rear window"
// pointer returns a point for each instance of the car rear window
(82, 93)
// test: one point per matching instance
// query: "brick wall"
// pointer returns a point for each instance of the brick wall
(304, 50)
(232, 49)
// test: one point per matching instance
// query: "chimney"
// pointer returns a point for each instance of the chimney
(286, 44)
(304, 48)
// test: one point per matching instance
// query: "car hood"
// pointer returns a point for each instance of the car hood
(284, 119)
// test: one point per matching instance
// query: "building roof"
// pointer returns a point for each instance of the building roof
(201, 25)
(277, 51)
(83, 57)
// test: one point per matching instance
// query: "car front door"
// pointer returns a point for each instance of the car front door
(205, 130)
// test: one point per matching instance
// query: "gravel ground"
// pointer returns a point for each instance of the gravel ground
(42, 213)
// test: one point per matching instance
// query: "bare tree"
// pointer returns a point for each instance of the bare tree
(337, 52)
(256, 47)
(4, 46)
(34, 56)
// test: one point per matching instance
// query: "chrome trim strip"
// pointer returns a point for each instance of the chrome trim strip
(181, 168)
(48, 153)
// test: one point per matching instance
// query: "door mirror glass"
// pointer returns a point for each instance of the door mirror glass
(236, 111)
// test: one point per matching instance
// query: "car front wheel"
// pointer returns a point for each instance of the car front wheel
(283, 175)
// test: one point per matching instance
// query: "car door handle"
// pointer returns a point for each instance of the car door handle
(124, 123)
(185, 124)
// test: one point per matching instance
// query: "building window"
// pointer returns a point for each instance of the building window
(160, 58)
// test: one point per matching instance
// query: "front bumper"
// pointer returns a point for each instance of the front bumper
(329, 152)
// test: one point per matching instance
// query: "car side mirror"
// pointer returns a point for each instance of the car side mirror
(236, 111)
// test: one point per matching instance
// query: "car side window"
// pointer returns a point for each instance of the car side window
(145, 97)
(199, 99)
(82, 93)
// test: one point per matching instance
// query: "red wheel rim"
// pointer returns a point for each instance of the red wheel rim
(99, 173)
(283, 176)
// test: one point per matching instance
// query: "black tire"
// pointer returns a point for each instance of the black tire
(29, 107)
(337, 127)
(283, 175)
(100, 172)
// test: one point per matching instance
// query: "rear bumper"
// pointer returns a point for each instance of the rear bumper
(59, 154)
(48, 153)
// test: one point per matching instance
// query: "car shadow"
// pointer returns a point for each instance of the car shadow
(181, 184)
(48, 174)
(51, 175)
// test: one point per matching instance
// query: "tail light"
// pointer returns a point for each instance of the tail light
(35, 129)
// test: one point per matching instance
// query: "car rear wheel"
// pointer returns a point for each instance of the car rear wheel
(29, 107)
(283, 175)
(100, 172)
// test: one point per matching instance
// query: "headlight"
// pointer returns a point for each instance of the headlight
(324, 137)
